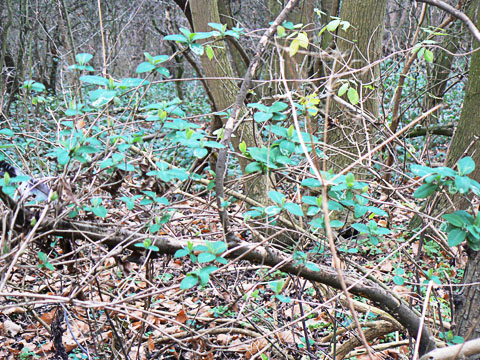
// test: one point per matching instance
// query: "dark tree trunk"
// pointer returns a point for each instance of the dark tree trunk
(465, 143)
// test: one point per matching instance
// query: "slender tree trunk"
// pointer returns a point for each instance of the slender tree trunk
(465, 143)
(224, 91)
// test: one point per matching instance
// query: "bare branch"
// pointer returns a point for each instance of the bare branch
(456, 13)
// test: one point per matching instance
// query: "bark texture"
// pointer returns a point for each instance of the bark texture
(224, 91)
(465, 143)
(359, 45)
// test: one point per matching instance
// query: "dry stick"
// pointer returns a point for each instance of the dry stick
(104, 47)
(234, 121)
(333, 250)
(456, 13)
(422, 319)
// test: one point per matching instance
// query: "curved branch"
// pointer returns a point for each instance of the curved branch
(456, 13)
(119, 239)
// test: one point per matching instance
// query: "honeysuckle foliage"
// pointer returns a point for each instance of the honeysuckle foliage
(460, 225)
(109, 149)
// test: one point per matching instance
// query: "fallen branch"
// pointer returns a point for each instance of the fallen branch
(118, 239)
(123, 239)
(460, 351)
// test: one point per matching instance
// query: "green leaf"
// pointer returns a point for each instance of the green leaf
(200, 152)
(343, 89)
(206, 257)
(310, 200)
(262, 117)
(333, 25)
(163, 71)
(144, 67)
(242, 147)
(188, 282)
(311, 182)
(272, 210)
(160, 59)
(276, 196)
(63, 156)
(95, 80)
(457, 339)
(83, 58)
(421, 170)
(428, 56)
(352, 95)
(219, 247)
(425, 191)
(209, 52)
(253, 167)
(350, 180)
(176, 37)
(295, 209)
(456, 236)
(87, 149)
(420, 52)
(462, 183)
(466, 165)
(398, 280)
(278, 106)
(276, 286)
(100, 211)
(283, 298)
(7, 132)
(293, 48)
(362, 228)
(454, 219)
(336, 223)
(197, 49)
(133, 82)
(204, 35)
(181, 253)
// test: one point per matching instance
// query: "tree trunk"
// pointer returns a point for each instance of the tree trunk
(296, 67)
(224, 91)
(359, 45)
(465, 143)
